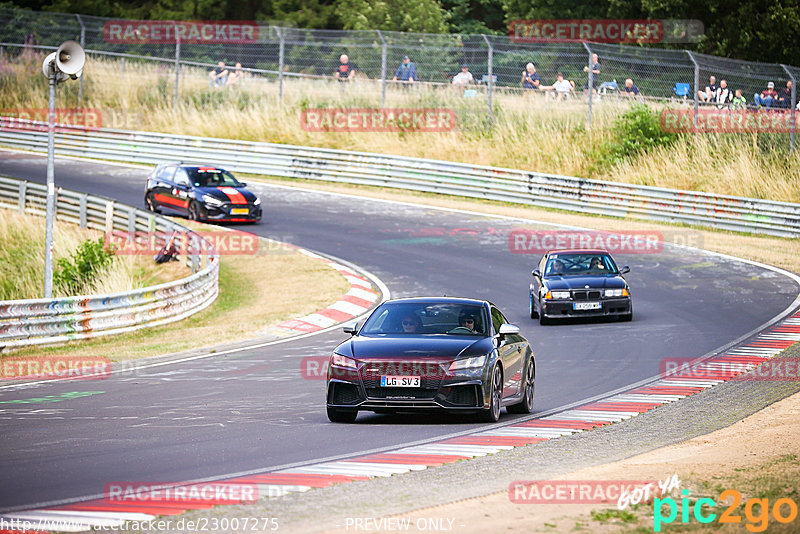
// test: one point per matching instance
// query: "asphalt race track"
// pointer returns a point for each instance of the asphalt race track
(254, 411)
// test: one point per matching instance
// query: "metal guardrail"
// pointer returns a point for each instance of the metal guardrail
(542, 190)
(43, 321)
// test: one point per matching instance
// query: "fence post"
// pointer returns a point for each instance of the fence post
(590, 86)
(696, 87)
(794, 103)
(23, 189)
(83, 45)
(177, 63)
(123, 65)
(489, 68)
(281, 48)
(383, 69)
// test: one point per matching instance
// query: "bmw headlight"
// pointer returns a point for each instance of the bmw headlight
(623, 292)
(212, 201)
(468, 363)
(257, 202)
(557, 295)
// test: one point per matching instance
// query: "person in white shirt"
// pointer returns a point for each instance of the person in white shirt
(561, 87)
(464, 77)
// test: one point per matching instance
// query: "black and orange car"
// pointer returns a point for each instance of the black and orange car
(202, 193)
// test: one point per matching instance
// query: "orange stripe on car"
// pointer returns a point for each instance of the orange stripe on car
(233, 194)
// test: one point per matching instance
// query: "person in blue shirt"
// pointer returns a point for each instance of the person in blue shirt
(406, 72)
(530, 78)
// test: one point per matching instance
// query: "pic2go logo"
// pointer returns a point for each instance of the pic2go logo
(756, 511)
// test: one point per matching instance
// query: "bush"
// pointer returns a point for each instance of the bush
(76, 273)
(635, 132)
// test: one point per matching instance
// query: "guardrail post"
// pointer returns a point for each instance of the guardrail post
(83, 45)
(490, 82)
(109, 216)
(131, 223)
(590, 85)
(281, 49)
(793, 104)
(23, 189)
(383, 68)
(194, 257)
(696, 87)
(82, 201)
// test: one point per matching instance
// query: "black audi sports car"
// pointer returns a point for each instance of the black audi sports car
(579, 283)
(432, 354)
(202, 193)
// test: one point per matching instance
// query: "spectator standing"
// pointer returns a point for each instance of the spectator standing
(785, 96)
(629, 89)
(219, 76)
(710, 92)
(595, 75)
(346, 71)
(530, 78)
(739, 102)
(464, 77)
(767, 96)
(724, 95)
(406, 72)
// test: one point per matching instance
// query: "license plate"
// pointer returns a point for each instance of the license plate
(586, 305)
(400, 381)
(240, 211)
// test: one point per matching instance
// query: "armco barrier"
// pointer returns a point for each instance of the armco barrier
(41, 321)
(543, 190)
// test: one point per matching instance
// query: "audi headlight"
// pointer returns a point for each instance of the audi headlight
(257, 202)
(557, 295)
(468, 363)
(213, 201)
(616, 292)
(343, 361)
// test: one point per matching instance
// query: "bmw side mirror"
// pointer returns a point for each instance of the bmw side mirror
(242, 184)
(351, 329)
(537, 273)
(625, 270)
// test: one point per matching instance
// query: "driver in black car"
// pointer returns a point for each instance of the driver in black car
(467, 321)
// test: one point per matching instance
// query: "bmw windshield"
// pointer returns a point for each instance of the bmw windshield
(580, 265)
(404, 318)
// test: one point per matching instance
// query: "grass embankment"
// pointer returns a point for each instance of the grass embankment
(527, 133)
(22, 261)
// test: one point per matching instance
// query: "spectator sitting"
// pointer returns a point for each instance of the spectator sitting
(595, 75)
(629, 90)
(724, 95)
(530, 78)
(561, 87)
(235, 77)
(406, 72)
(739, 102)
(785, 96)
(766, 97)
(464, 77)
(219, 76)
(346, 71)
(710, 91)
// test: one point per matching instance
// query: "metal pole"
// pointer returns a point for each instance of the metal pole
(51, 187)
(177, 63)
(281, 48)
(83, 45)
(383, 69)
(793, 104)
(590, 86)
(489, 69)
(696, 87)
